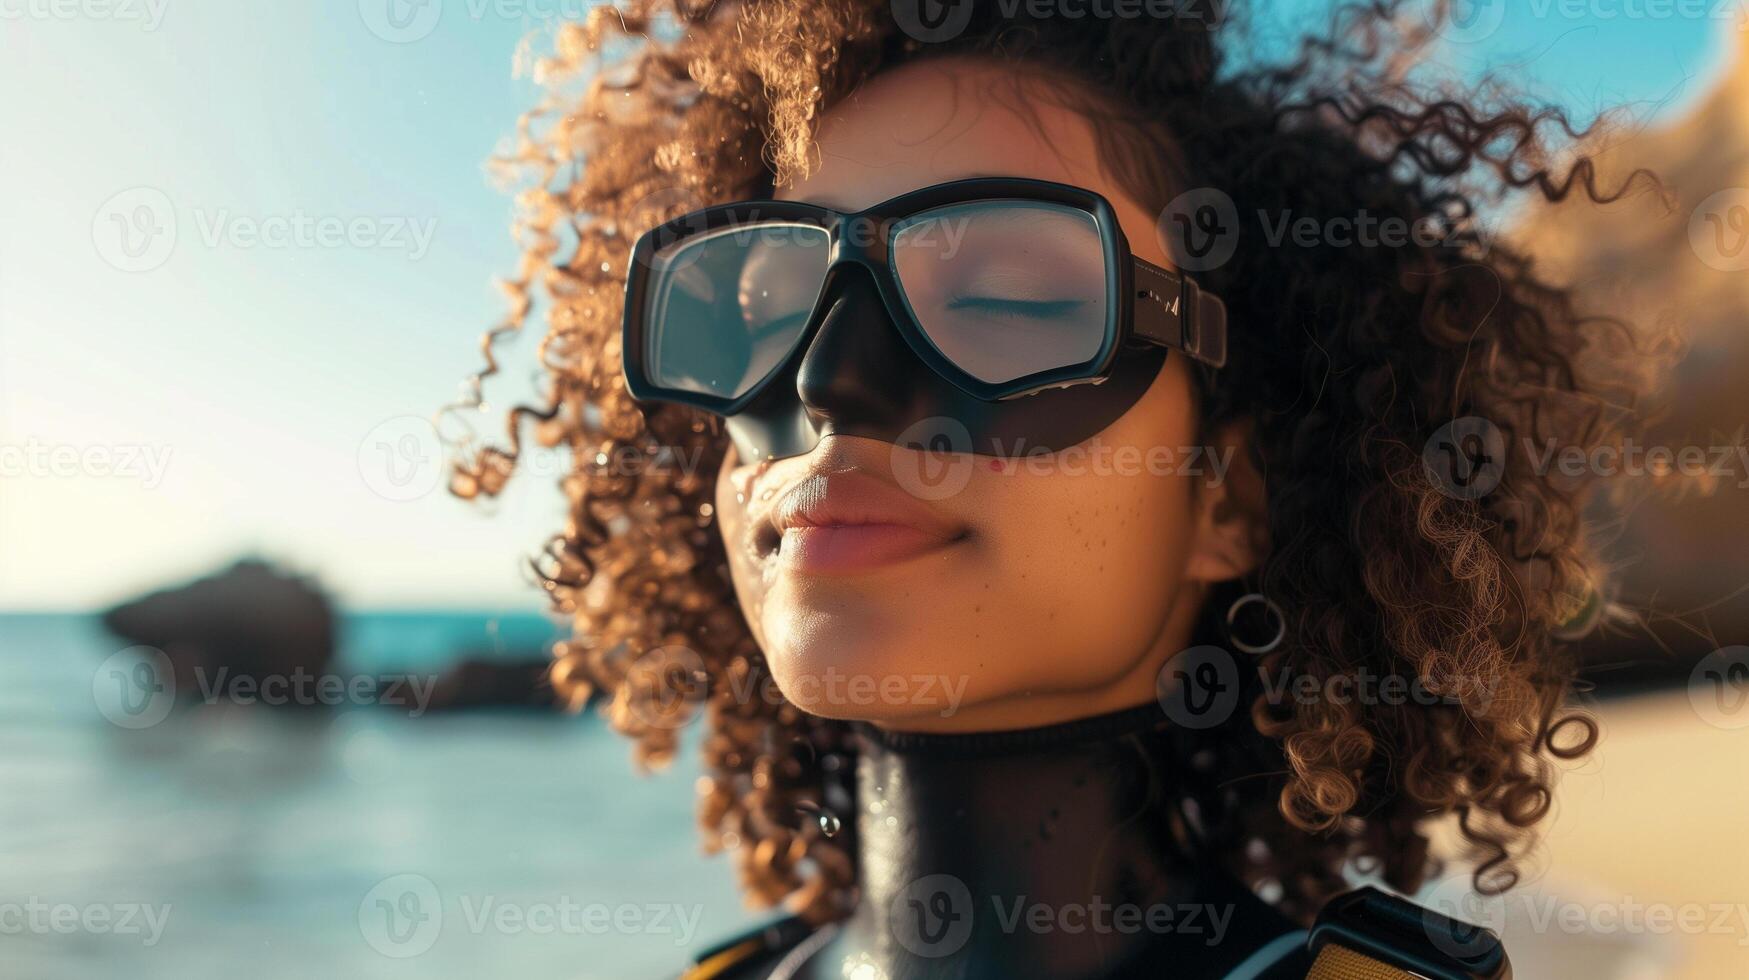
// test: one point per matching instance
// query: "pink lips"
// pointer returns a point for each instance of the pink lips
(849, 521)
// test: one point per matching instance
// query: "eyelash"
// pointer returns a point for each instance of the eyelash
(1037, 309)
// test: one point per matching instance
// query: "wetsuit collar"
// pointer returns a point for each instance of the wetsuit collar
(1040, 852)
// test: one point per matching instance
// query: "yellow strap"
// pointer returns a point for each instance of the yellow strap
(1336, 962)
(713, 966)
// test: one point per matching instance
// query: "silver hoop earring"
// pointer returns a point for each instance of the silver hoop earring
(1274, 610)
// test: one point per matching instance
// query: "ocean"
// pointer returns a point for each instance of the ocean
(347, 843)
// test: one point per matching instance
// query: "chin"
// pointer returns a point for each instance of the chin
(861, 664)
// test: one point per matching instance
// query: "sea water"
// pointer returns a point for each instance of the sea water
(342, 843)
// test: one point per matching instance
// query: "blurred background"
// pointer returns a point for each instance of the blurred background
(246, 250)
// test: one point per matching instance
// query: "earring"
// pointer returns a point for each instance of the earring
(1274, 610)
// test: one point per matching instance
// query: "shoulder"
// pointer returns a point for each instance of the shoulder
(1365, 934)
(1368, 934)
(750, 954)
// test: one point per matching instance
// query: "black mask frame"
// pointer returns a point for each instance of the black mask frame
(1152, 306)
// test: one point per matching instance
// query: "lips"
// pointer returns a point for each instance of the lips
(850, 521)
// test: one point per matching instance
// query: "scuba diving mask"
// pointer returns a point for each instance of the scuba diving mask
(1007, 314)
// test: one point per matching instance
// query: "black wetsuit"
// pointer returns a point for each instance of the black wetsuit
(1034, 853)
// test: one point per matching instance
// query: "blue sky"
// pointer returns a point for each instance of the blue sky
(336, 240)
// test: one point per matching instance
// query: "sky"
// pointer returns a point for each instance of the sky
(247, 249)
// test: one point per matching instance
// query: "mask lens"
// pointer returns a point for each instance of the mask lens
(728, 307)
(1006, 289)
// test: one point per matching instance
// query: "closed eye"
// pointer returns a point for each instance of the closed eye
(995, 306)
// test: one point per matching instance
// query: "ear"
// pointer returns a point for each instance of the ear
(1231, 512)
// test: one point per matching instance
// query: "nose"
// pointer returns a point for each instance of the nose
(858, 372)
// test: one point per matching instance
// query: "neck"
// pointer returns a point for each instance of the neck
(1043, 851)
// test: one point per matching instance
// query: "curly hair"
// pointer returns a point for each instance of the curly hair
(1344, 363)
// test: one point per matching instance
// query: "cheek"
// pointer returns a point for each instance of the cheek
(731, 523)
(1089, 545)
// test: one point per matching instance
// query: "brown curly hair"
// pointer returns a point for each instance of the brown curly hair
(1344, 361)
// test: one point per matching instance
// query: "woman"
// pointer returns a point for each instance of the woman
(1080, 559)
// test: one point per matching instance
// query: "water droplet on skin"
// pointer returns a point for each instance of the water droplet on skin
(829, 823)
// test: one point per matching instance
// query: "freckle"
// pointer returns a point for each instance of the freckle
(977, 609)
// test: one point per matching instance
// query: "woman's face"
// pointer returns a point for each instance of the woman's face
(1046, 588)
